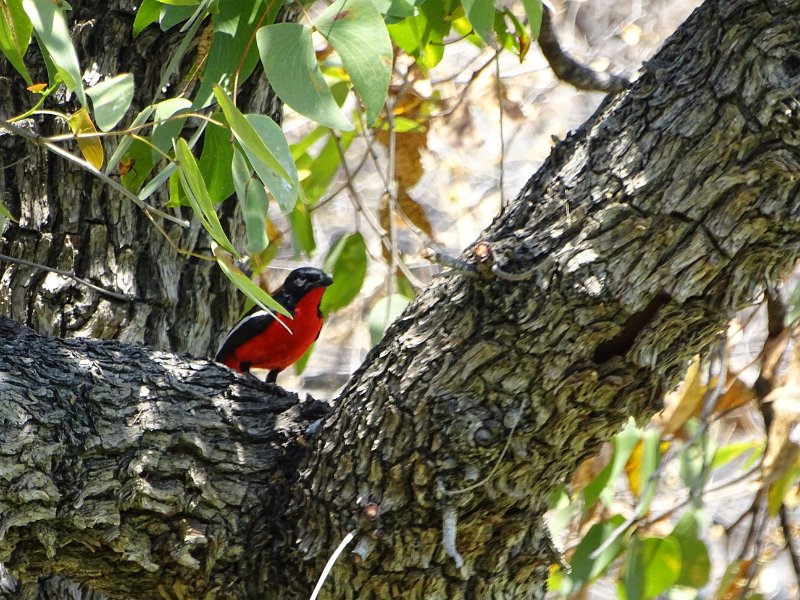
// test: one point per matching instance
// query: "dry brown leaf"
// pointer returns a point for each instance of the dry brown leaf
(201, 52)
(783, 438)
(633, 469)
(736, 394)
(406, 207)
(735, 588)
(589, 469)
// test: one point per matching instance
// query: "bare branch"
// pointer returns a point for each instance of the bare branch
(570, 70)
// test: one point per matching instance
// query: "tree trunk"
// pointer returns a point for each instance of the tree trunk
(74, 222)
(675, 205)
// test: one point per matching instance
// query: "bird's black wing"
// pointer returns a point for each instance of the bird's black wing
(254, 322)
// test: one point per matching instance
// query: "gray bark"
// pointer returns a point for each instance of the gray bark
(675, 205)
(135, 470)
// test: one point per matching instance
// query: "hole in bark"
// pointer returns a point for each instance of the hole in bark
(622, 342)
(792, 65)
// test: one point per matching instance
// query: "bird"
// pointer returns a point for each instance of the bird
(264, 340)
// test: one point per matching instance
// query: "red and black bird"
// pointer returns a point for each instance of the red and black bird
(260, 340)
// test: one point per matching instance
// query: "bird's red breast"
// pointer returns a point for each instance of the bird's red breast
(263, 340)
(275, 347)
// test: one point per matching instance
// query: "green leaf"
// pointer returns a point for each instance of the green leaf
(5, 214)
(347, 263)
(148, 13)
(302, 362)
(533, 10)
(241, 173)
(404, 286)
(624, 443)
(215, 160)
(195, 187)
(251, 290)
(171, 15)
(422, 36)
(168, 124)
(287, 53)
(302, 229)
(127, 141)
(233, 25)
(255, 216)
(383, 314)
(480, 14)
(285, 191)
(180, 2)
(15, 35)
(651, 440)
(139, 161)
(779, 489)
(729, 452)
(693, 471)
(111, 99)
(358, 34)
(51, 29)
(516, 38)
(653, 565)
(396, 9)
(584, 567)
(695, 563)
(321, 170)
(258, 153)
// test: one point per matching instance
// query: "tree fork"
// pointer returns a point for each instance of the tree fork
(675, 205)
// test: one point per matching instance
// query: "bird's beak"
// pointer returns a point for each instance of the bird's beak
(326, 281)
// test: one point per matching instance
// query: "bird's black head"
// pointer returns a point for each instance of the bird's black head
(303, 280)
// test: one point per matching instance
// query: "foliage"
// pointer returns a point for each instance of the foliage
(318, 67)
(694, 449)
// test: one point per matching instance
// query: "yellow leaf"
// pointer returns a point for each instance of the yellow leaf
(91, 147)
(633, 469)
(686, 402)
(37, 87)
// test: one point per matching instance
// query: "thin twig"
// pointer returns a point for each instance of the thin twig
(391, 198)
(497, 463)
(86, 166)
(463, 92)
(502, 274)
(355, 198)
(501, 133)
(788, 536)
(89, 284)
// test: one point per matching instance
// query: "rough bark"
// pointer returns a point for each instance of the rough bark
(75, 223)
(137, 471)
(675, 205)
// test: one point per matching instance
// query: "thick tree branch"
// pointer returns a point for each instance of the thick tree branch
(672, 207)
(162, 470)
(569, 70)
